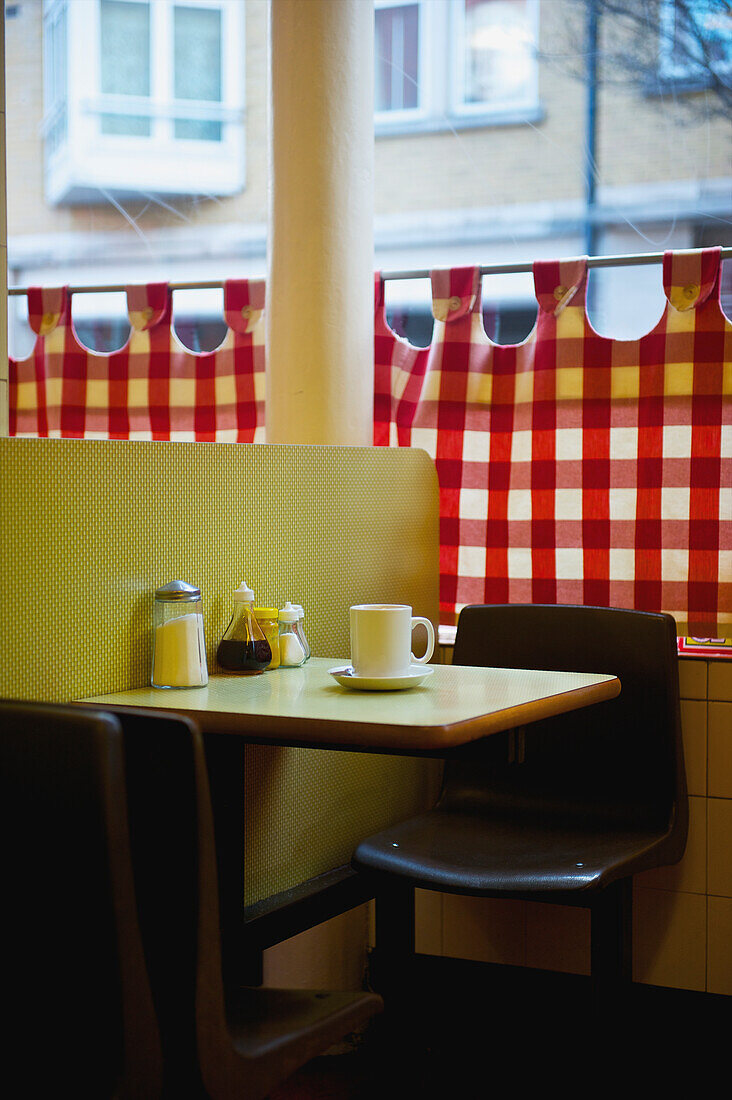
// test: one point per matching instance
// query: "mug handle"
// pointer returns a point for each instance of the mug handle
(416, 619)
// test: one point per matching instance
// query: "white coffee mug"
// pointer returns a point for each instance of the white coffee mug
(381, 639)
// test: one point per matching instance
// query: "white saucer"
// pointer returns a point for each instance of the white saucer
(348, 678)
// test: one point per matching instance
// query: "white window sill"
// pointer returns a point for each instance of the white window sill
(513, 116)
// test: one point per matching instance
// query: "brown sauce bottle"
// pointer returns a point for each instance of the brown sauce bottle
(244, 648)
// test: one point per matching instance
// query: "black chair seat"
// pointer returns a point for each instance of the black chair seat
(272, 1023)
(568, 810)
(463, 854)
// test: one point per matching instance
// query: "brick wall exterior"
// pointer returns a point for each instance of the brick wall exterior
(640, 140)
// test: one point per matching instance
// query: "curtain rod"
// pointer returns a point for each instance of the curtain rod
(632, 260)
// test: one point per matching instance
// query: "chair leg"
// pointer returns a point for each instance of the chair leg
(401, 1039)
(612, 945)
(394, 933)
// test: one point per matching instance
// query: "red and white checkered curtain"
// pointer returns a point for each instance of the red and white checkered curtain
(153, 387)
(574, 468)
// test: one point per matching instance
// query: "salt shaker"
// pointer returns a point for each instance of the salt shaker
(179, 647)
(299, 614)
(300, 630)
(292, 653)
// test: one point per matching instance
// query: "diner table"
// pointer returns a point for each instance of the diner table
(453, 710)
(452, 707)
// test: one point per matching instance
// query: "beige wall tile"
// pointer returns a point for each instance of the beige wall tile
(690, 874)
(719, 780)
(558, 937)
(484, 929)
(720, 679)
(719, 834)
(692, 679)
(428, 921)
(371, 907)
(694, 731)
(330, 956)
(3, 408)
(719, 946)
(669, 939)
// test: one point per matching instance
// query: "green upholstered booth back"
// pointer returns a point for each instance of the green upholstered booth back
(89, 529)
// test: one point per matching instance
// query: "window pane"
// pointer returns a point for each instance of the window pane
(397, 58)
(498, 51)
(699, 33)
(196, 129)
(56, 52)
(125, 60)
(197, 62)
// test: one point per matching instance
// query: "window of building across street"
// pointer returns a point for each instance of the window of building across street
(447, 64)
(695, 39)
(397, 76)
(495, 54)
(143, 94)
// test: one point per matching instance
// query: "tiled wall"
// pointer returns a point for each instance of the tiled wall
(682, 933)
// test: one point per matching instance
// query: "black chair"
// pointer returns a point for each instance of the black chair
(79, 1016)
(218, 1040)
(566, 809)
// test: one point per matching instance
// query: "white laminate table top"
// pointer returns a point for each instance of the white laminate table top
(453, 706)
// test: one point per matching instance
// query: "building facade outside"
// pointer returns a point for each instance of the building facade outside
(137, 152)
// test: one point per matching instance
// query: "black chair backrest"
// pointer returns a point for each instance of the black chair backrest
(74, 978)
(620, 761)
(162, 806)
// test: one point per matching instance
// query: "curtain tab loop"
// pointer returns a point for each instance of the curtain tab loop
(689, 276)
(243, 303)
(558, 283)
(147, 305)
(46, 307)
(455, 292)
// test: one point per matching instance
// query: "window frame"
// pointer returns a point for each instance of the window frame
(55, 69)
(404, 117)
(484, 109)
(440, 108)
(115, 161)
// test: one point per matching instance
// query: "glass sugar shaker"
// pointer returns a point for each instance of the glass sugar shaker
(179, 645)
(292, 654)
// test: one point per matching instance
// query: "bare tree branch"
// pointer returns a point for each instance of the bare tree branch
(678, 48)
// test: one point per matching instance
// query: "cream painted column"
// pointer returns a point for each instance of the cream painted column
(3, 249)
(319, 386)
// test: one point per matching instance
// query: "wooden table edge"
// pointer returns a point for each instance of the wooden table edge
(319, 733)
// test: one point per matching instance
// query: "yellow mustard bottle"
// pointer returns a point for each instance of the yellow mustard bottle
(268, 621)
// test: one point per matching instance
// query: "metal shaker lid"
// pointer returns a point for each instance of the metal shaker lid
(178, 591)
